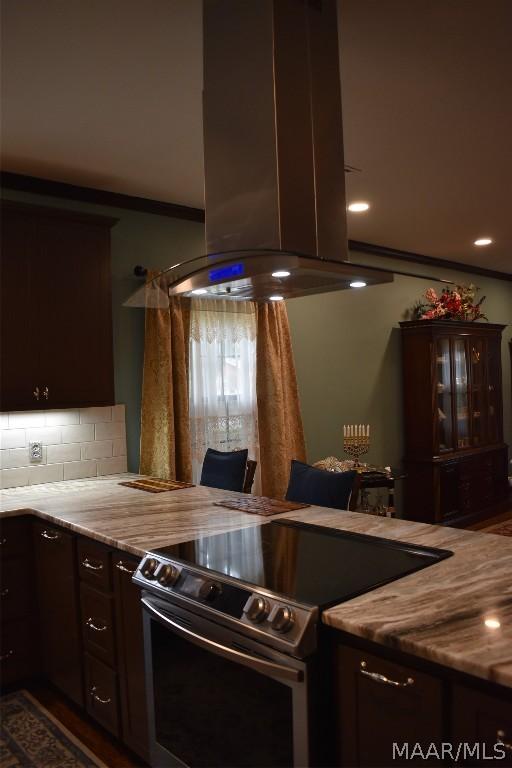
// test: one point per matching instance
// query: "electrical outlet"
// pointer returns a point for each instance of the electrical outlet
(35, 451)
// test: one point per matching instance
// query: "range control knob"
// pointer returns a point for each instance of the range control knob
(168, 575)
(209, 590)
(149, 568)
(283, 619)
(257, 609)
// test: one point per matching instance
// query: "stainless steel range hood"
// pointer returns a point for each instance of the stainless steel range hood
(273, 153)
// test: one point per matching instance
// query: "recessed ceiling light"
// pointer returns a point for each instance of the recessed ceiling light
(281, 273)
(483, 241)
(492, 623)
(358, 284)
(276, 298)
(358, 207)
(199, 291)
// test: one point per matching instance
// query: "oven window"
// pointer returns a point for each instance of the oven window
(211, 712)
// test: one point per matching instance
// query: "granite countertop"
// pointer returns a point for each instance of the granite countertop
(437, 614)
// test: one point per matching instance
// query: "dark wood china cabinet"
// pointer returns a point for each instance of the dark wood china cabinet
(455, 457)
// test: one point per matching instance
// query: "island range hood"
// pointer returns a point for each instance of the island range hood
(273, 156)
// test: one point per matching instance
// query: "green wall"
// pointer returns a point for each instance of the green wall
(346, 344)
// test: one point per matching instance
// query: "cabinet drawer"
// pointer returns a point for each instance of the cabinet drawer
(101, 694)
(15, 655)
(380, 703)
(94, 564)
(97, 615)
(14, 537)
(14, 589)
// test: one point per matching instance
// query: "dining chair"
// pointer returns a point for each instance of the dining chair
(310, 485)
(228, 470)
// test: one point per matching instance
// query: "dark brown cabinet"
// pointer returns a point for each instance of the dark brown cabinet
(381, 703)
(17, 656)
(56, 315)
(455, 457)
(478, 717)
(58, 607)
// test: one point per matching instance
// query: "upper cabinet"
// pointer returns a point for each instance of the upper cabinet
(56, 309)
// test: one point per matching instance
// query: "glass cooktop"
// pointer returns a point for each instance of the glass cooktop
(309, 564)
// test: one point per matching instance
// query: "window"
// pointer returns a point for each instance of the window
(222, 379)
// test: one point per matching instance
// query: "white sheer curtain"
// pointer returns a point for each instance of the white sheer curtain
(222, 379)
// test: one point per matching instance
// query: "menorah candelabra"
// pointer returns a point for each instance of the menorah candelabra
(356, 440)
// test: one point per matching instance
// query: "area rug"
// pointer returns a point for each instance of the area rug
(30, 737)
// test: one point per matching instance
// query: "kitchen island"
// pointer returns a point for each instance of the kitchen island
(455, 616)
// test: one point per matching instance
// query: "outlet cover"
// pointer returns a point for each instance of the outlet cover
(35, 451)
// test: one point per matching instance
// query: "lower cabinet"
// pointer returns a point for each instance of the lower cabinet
(381, 704)
(479, 718)
(58, 607)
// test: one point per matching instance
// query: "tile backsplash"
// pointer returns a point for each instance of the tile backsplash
(77, 443)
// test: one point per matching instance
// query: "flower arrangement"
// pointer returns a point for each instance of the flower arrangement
(451, 304)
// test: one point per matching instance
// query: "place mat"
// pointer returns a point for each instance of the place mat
(260, 505)
(153, 485)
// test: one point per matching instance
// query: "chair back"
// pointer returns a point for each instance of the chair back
(224, 469)
(249, 475)
(310, 485)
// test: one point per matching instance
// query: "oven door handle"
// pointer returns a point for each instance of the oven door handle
(253, 662)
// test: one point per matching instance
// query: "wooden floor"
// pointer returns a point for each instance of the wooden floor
(107, 749)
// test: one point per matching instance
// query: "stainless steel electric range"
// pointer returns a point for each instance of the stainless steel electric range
(231, 633)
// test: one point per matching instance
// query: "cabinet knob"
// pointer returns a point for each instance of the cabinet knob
(97, 698)
(36, 393)
(500, 738)
(7, 655)
(51, 536)
(90, 623)
(122, 567)
(91, 566)
(46, 393)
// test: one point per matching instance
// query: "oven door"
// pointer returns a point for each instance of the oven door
(218, 699)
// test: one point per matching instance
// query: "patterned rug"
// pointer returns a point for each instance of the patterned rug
(30, 737)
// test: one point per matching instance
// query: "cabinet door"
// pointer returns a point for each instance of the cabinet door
(131, 655)
(443, 396)
(19, 308)
(478, 718)
(381, 703)
(58, 602)
(76, 365)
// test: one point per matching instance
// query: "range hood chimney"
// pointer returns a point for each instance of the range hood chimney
(273, 137)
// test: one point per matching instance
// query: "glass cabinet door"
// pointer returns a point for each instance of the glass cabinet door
(493, 388)
(443, 396)
(478, 400)
(461, 393)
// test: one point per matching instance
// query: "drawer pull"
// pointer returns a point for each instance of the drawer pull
(90, 623)
(4, 592)
(120, 565)
(98, 698)
(500, 738)
(50, 536)
(3, 540)
(92, 566)
(378, 678)
(7, 655)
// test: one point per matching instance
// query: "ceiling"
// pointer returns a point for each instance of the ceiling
(108, 95)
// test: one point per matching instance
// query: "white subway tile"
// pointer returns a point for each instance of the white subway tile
(119, 447)
(4, 420)
(109, 430)
(118, 413)
(64, 452)
(84, 433)
(19, 457)
(13, 438)
(11, 478)
(98, 450)
(47, 435)
(25, 419)
(114, 466)
(93, 415)
(60, 418)
(49, 473)
(75, 470)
